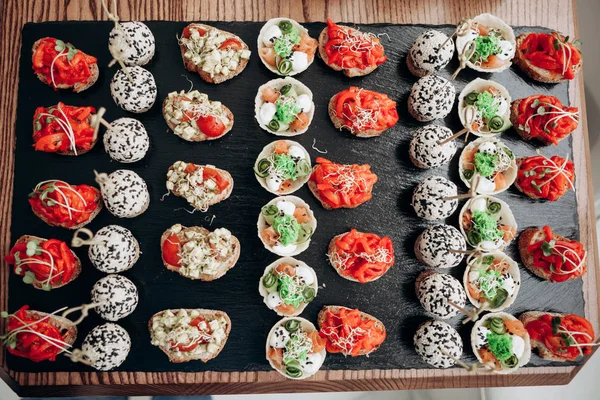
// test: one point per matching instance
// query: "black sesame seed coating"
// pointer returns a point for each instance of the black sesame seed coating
(433, 335)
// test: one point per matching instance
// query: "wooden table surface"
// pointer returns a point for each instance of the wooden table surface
(556, 14)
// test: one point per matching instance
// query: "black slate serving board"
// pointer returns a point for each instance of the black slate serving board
(391, 298)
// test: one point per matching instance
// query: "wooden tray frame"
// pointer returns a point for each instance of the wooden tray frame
(556, 14)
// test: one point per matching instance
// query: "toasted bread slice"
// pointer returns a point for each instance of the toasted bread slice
(514, 114)
(217, 78)
(200, 136)
(537, 73)
(313, 188)
(77, 87)
(339, 122)
(530, 236)
(27, 238)
(217, 198)
(519, 161)
(69, 151)
(543, 351)
(179, 357)
(81, 225)
(66, 327)
(223, 267)
(349, 72)
(336, 309)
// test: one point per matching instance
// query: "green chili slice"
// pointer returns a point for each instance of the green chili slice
(473, 237)
(285, 26)
(273, 125)
(269, 280)
(495, 123)
(262, 168)
(471, 98)
(499, 299)
(494, 207)
(292, 325)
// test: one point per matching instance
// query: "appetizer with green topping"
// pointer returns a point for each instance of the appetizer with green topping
(284, 107)
(484, 108)
(487, 223)
(287, 286)
(283, 167)
(488, 164)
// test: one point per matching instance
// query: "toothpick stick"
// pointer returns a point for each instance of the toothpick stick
(115, 18)
(459, 308)
(475, 367)
(451, 138)
(459, 196)
(475, 312)
(457, 251)
(461, 29)
(97, 120)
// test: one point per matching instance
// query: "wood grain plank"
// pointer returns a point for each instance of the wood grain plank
(14, 13)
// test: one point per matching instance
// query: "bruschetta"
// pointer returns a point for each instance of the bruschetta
(194, 117)
(541, 177)
(44, 263)
(288, 286)
(551, 256)
(65, 130)
(548, 57)
(285, 47)
(295, 348)
(284, 107)
(214, 54)
(190, 334)
(501, 342)
(361, 257)
(197, 253)
(349, 50)
(557, 336)
(61, 204)
(350, 331)
(201, 185)
(363, 112)
(544, 118)
(286, 225)
(62, 66)
(283, 167)
(37, 335)
(341, 185)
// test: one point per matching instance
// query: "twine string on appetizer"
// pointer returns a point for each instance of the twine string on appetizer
(85, 310)
(97, 120)
(459, 251)
(115, 18)
(464, 56)
(80, 356)
(475, 367)
(314, 146)
(462, 29)
(78, 241)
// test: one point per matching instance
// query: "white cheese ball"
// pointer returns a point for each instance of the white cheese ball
(114, 250)
(286, 207)
(429, 198)
(267, 112)
(431, 97)
(125, 194)
(424, 150)
(284, 250)
(312, 363)
(127, 141)
(426, 56)
(299, 61)
(270, 35)
(433, 335)
(296, 152)
(137, 95)
(132, 42)
(518, 345)
(274, 300)
(273, 182)
(304, 102)
(506, 50)
(279, 338)
(306, 274)
(435, 289)
(107, 346)
(118, 297)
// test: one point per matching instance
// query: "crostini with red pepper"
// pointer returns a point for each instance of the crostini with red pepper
(551, 256)
(44, 263)
(363, 112)
(557, 336)
(349, 50)
(65, 130)
(62, 66)
(541, 177)
(61, 204)
(548, 57)
(544, 118)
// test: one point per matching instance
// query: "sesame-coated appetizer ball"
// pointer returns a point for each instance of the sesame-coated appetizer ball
(433, 339)
(431, 97)
(427, 56)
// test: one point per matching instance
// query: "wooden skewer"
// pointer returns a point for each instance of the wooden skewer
(457, 251)
(475, 367)
(461, 29)
(115, 18)
(97, 120)
(463, 310)
(459, 196)
(451, 138)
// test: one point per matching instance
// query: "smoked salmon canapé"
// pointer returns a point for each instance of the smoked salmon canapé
(361, 257)
(487, 223)
(486, 43)
(285, 47)
(349, 50)
(501, 342)
(488, 166)
(484, 108)
(350, 332)
(286, 225)
(284, 107)
(341, 185)
(541, 177)
(559, 337)
(282, 167)
(548, 57)
(61, 65)
(295, 348)
(544, 118)
(287, 286)
(362, 112)
(552, 256)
